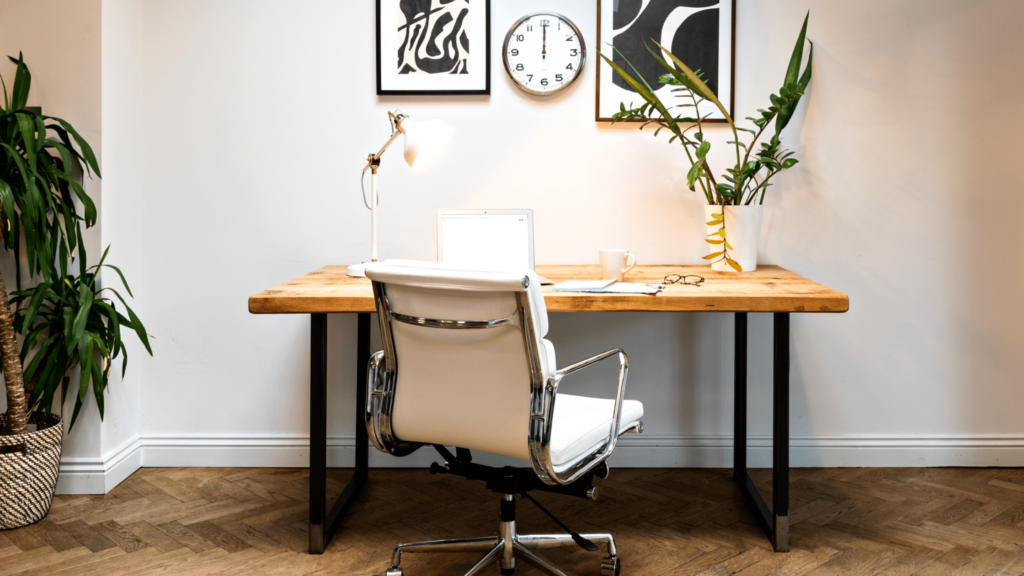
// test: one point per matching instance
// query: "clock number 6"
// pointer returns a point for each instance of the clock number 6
(543, 81)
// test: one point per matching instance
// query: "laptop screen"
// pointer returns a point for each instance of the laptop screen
(500, 241)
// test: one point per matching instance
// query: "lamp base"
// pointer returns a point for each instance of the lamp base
(357, 270)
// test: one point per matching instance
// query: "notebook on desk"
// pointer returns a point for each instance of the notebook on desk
(490, 239)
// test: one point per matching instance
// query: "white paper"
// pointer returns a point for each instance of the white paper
(603, 287)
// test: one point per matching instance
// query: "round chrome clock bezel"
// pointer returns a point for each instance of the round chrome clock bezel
(508, 69)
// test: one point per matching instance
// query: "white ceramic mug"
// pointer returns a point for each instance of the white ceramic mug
(615, 264)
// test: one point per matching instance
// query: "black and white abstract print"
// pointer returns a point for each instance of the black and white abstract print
(688, 28)
(432, 37)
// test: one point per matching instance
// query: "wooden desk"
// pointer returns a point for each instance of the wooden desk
(770, 289)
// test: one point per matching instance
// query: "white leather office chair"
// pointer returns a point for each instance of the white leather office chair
(465, 364)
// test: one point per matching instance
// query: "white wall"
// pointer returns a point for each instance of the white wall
(234, 167)
(256, 116)
(122, 191)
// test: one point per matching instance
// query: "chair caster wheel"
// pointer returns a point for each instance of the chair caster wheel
(609, 566)
(396, 571)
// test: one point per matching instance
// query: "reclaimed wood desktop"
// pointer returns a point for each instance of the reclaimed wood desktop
(770, 289)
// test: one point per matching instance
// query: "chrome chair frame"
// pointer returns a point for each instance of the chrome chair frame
(504, 547)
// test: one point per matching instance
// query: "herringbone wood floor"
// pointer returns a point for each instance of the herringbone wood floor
(228, 521)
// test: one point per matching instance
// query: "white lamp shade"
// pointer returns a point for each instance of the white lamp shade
(424, 141)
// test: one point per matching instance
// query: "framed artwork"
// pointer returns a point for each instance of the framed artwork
(433, 47)
(701, 33)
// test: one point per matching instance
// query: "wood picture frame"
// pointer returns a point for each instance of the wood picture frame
(440, 48)
(727, 62)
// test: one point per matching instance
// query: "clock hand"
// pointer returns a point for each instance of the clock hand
(544, 51)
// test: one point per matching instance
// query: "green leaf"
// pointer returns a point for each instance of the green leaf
(22, 83)
(26, 126)
(699, 86)
(119, 273)
(645, 92)
(136, 324)
(38, 297)
(786, 113)
(7, 203)
(719, 216)
(69, 322)
(798, 53)
(693, 174)
(85, 358)
(680, 79)
(7, 104)
(702, 151)
(87, 153)
(789, 163)
(87, 203)
(721, 232)
(99, 384)
(41, 355)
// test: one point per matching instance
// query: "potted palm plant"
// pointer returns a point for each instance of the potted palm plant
(733, 199)
(67, 320)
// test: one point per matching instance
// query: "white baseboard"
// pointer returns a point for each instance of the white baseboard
(634, 451)
(98, 476)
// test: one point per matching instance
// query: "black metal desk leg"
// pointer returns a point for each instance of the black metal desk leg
(317, 431)
(780, 433)
(739, 449)
(322, 527)
(774, 523)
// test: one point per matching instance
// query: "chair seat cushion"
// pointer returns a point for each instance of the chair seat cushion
(581, 425)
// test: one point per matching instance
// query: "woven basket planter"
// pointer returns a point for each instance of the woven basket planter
(28, 475)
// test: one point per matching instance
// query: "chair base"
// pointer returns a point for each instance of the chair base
(508, 545)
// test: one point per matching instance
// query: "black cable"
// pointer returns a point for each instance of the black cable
(580, 540)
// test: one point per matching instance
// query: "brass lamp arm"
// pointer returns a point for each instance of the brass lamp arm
(374, 159)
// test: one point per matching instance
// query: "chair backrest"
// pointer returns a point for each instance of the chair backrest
(465, 347)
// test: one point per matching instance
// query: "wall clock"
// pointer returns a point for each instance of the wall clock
(544, 53)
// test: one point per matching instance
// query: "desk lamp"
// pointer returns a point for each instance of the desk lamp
(424, 140)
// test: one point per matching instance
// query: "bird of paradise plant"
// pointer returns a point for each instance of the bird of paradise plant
(748, 180)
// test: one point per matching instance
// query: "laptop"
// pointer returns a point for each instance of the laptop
(490, 239)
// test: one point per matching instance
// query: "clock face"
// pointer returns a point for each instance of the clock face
(544, 53)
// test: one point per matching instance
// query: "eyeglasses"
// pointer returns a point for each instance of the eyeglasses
(689, 279)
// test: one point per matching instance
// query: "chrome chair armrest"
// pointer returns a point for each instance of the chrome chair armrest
(374, 397)
(589, 361)
(380, 404)
(541, 421)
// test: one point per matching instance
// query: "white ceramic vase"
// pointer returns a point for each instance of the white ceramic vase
(742, 231)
